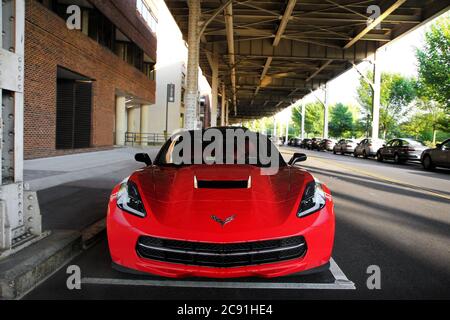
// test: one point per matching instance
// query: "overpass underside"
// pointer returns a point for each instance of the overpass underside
(271, 53)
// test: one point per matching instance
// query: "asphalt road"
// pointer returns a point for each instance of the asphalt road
(396, 217)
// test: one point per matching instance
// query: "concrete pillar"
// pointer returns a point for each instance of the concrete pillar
(121, 122)
(145, 123)
(134, 120)
(214, 88)
(224, 102)
(303, 121)
(325, 113)
(191, 96)
(376, 97)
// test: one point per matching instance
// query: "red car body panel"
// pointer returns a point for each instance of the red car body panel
(176, 210)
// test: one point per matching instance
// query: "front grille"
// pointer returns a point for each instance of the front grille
(221, 255)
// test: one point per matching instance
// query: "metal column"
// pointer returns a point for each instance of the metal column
(223, 106)
(214, 88)
(376, 97)
(20, 219)
(325, 113)
(191, 96)
(303, 121)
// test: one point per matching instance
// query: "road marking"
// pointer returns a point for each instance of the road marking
(341, 282)
(379, 177)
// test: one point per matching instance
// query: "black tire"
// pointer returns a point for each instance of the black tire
(365, 154)
(427, 163)
(334, 151)
(379, 157)
(355, 154)
(397, 159)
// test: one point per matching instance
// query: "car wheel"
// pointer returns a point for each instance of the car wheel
(397, 159)
(364, 154)
(427, 163)
(355, 154)
(334, 151)
(379, 157)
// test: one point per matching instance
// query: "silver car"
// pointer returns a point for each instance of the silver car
(437, 157)
(401, 150)
(368, 147)
(345, 146)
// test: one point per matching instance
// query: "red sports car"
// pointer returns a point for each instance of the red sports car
(219, 219)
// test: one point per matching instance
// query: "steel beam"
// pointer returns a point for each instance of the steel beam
(375, 22)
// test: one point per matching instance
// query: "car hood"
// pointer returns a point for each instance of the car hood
(171, 197)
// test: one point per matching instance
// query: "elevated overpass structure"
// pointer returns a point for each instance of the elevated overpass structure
(269, 53)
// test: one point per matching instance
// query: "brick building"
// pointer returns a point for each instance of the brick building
(80, 84)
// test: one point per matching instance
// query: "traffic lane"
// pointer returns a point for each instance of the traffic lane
(410, 173)
(403, 231)
(406, 232)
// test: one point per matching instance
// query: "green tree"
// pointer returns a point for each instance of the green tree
(434, 63)
(313, 118)
(397, 93)
(341, 123)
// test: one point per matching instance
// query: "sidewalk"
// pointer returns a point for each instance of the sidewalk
(73, 193)
(48, 172)
(73, 190)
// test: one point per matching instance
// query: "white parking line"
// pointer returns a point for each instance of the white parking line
(341, 282)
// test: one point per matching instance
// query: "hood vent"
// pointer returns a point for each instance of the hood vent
(222, 184)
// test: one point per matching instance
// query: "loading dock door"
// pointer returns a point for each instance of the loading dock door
(73, 114)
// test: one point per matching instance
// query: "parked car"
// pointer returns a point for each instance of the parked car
(345, 146)
(327, 144)
(304, 143)
(296, 142)
(177, 234)
(401, 150)
(437, 157)
(368, 147)
(315, 143)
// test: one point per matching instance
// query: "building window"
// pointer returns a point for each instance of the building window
(147, 14)
(73, 110)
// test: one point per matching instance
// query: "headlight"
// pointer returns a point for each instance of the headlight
(129, 200)
(313, 199)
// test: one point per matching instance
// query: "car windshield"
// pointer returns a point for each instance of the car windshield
(227, 146)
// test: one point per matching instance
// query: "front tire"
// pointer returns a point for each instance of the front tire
(379, 157)
(427, 163)
(365, 154)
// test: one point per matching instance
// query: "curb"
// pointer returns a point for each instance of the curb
(24, 270)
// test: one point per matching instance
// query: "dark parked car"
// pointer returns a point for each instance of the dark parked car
(437, 157)
(315, 143)
(304, 143)
(401, 150)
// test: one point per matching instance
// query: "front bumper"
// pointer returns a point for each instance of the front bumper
(124, 231)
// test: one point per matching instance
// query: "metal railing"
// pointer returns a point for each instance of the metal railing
(144, 138)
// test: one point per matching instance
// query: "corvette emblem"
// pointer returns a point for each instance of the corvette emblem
(224, 221)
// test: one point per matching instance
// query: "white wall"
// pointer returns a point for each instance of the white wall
(171, 62)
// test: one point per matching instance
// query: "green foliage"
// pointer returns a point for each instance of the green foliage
(341, 124)
(397, 93)
(434, 63)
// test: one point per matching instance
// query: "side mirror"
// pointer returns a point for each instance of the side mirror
(143, 157)
(439, 146)
(384, 145)
(297, 157)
